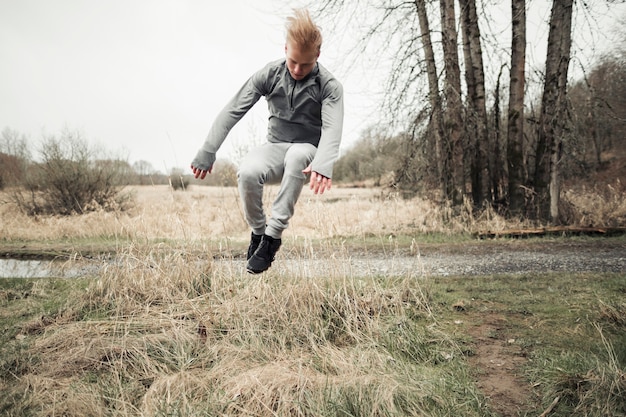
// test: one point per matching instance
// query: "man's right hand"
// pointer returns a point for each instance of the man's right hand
(202, 163)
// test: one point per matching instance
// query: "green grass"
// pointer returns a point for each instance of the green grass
(572, 328)
(163, 334)
(27, 307)
(375, 243)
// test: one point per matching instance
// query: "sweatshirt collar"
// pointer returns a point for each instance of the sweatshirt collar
(310, 76)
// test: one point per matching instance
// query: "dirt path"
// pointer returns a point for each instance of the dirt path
(499, 361)
(468, 259)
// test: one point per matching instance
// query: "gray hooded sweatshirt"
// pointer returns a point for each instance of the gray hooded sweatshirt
(305, 111)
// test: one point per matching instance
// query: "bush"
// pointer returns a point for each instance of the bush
(224, 174)
(374, 157)
(69, 180)
(14, 157)
(11, 170)
(178, 180)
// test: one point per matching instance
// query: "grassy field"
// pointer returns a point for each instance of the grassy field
(204, 215)
(166, 331)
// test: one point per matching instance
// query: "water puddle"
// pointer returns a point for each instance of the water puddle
(20, 268)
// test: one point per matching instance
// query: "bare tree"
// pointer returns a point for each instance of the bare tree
(407, 105)
(495, 157)
(477, 109)
(515, 119)
(452, 112)
(553, 111)
(435, 127)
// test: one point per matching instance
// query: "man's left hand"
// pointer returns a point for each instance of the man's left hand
(318, 183)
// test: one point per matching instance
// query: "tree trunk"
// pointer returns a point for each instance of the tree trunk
(453, 122)
(477, 115)
(515, 156)
(565, 49)
(435, 126)
(496, 163)
(593, 126)
(551, 120)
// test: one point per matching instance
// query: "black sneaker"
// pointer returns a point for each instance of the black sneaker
(254, 244)
(263, 257)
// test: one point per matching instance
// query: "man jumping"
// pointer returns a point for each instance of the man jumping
(305, 104)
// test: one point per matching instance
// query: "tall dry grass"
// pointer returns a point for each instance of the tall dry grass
(214, 213)
(598, 205)
(165, 333)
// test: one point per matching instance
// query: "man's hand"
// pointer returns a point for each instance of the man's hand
(202, 164)
(318, 183)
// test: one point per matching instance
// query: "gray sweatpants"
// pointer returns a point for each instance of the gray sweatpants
(273, 163)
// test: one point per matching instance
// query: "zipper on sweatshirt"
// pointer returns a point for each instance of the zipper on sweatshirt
(293, 90)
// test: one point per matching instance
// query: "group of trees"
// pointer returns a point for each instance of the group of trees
(463, 138)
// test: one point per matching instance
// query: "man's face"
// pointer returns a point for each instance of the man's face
(300, 62)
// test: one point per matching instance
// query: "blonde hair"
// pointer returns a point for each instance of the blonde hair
(303, 32)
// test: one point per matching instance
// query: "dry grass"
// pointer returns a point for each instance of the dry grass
(214, 213)
(162, 330)
(165, 334)
(598, 205)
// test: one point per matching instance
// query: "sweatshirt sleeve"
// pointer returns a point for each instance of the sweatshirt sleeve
(236, 108)
(332, 126)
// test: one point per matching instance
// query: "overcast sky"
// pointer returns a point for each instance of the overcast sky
(145, 78)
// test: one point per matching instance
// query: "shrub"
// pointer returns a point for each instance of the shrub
(11, 169)
(178, 180)
(224, 174)
(69, 180)
(14, 156)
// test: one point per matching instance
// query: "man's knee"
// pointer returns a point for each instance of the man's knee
(299, 157)
(249, 176)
